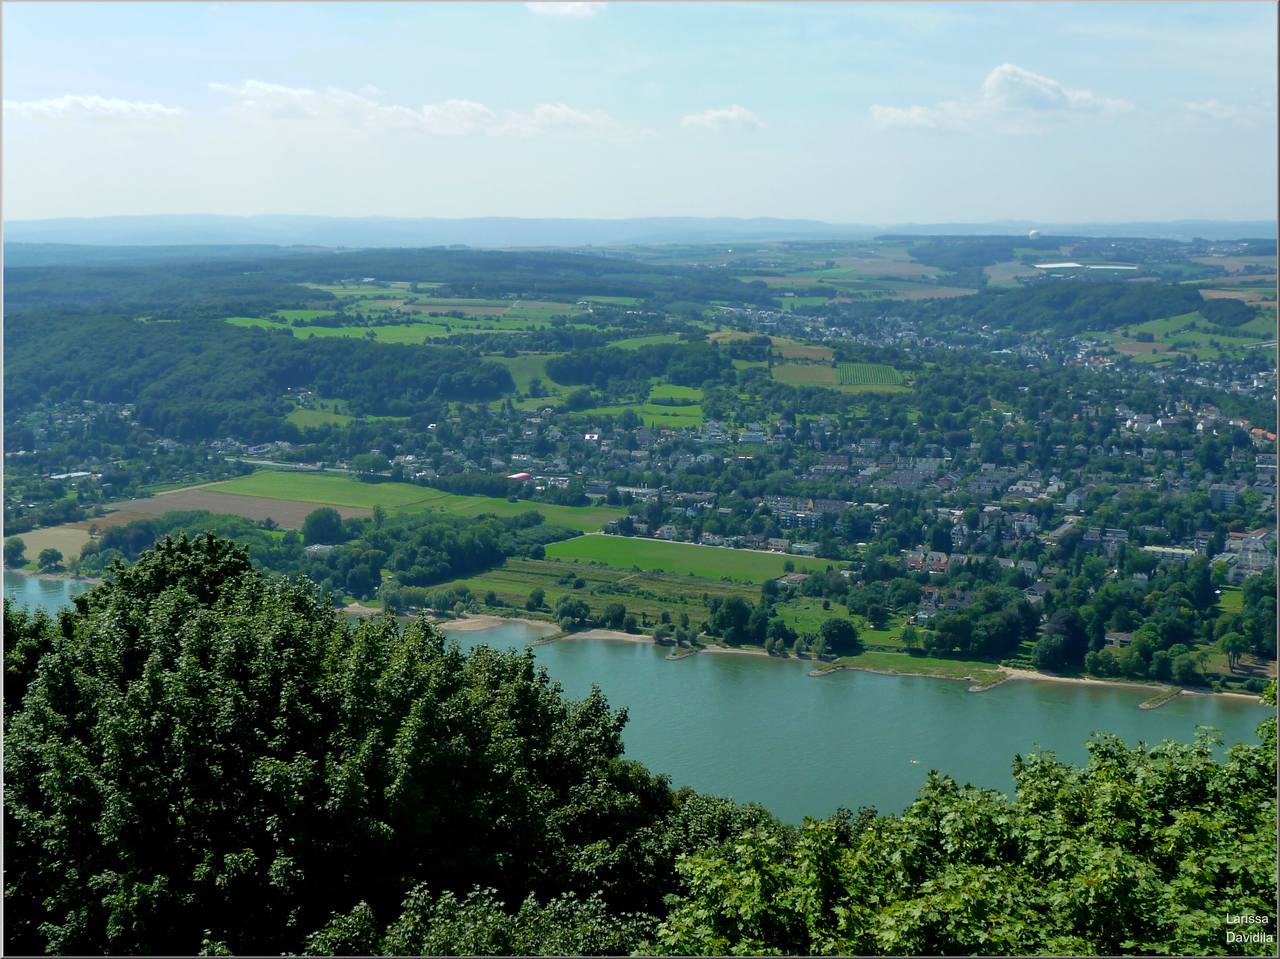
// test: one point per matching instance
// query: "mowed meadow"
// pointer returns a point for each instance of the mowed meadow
(686, 559)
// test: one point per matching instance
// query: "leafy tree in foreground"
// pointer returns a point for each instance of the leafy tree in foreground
(207, 757)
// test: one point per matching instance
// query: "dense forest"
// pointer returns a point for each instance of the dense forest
(200, 759)
(208, 379)
(229, 286)
(1066, 309)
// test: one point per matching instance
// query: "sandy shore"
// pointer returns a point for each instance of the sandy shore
(735, 651)
(479, 621)
(612, 634)
(1090, 681)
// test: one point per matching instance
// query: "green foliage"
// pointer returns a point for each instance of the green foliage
(1144, 851)
(206, 755)
(14, 551)
(49, 558)
(322, 526)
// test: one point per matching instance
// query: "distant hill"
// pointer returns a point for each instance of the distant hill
(283, 230)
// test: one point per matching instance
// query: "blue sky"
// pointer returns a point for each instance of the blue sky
(848, 112)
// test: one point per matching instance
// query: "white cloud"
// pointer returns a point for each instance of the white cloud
(727, 117)
(1214, 110)
(74, 107)
(567, 9)
(443, 118)
(1011, 99)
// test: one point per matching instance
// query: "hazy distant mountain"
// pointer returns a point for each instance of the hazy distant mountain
(210, 229)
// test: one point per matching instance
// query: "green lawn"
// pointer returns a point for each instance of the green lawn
(712, 562)
(327, 489)
(306, 418)
(976, 671)
(525, 367)
(1232, 600)
(330, 490)
(635, 342)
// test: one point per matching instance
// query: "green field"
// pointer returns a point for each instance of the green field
(669, 391)
(653, 414)
(1176, 332)
(303, 419)
(806, 374)
(528, 366)
(330, 490)
(635, 342)
(412, 333)
(980, 673)
(711, 562)
(868, 374)
(847, 377)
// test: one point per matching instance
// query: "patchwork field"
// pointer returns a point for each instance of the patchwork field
(847, 377)
(341, 491)
(868, 374)
(712, 562)
(645, 595)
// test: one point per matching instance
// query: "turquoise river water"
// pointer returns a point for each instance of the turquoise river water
(762, 730)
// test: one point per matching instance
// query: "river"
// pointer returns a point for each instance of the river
(762, 730)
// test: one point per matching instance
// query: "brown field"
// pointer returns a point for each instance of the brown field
(1234, 264)
(287, 513)
(67, 540)
(117, 518)
(464, 310)
(931, 292)
(790, 350)
(544, 305)
(1005, 273)
(1252, 279)
(898, 269)
(788, 281)
(1135, 349)
(1245, 296)
(728, 336)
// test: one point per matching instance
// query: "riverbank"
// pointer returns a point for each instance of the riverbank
(1156, 688)
(477, 621)
(72, 577)
(611, 634)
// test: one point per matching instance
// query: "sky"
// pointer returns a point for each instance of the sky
(845, 112)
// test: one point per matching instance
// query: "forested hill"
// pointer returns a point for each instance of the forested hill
(206, 379)
(1064, 309)
(200, 760)
(225, 285)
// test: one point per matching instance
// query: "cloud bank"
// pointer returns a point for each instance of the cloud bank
(447, 118)
(1011, 99)
(568, 9)
(75, 107)
(730, 117)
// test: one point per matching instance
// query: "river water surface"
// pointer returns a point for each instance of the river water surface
(760, 729)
